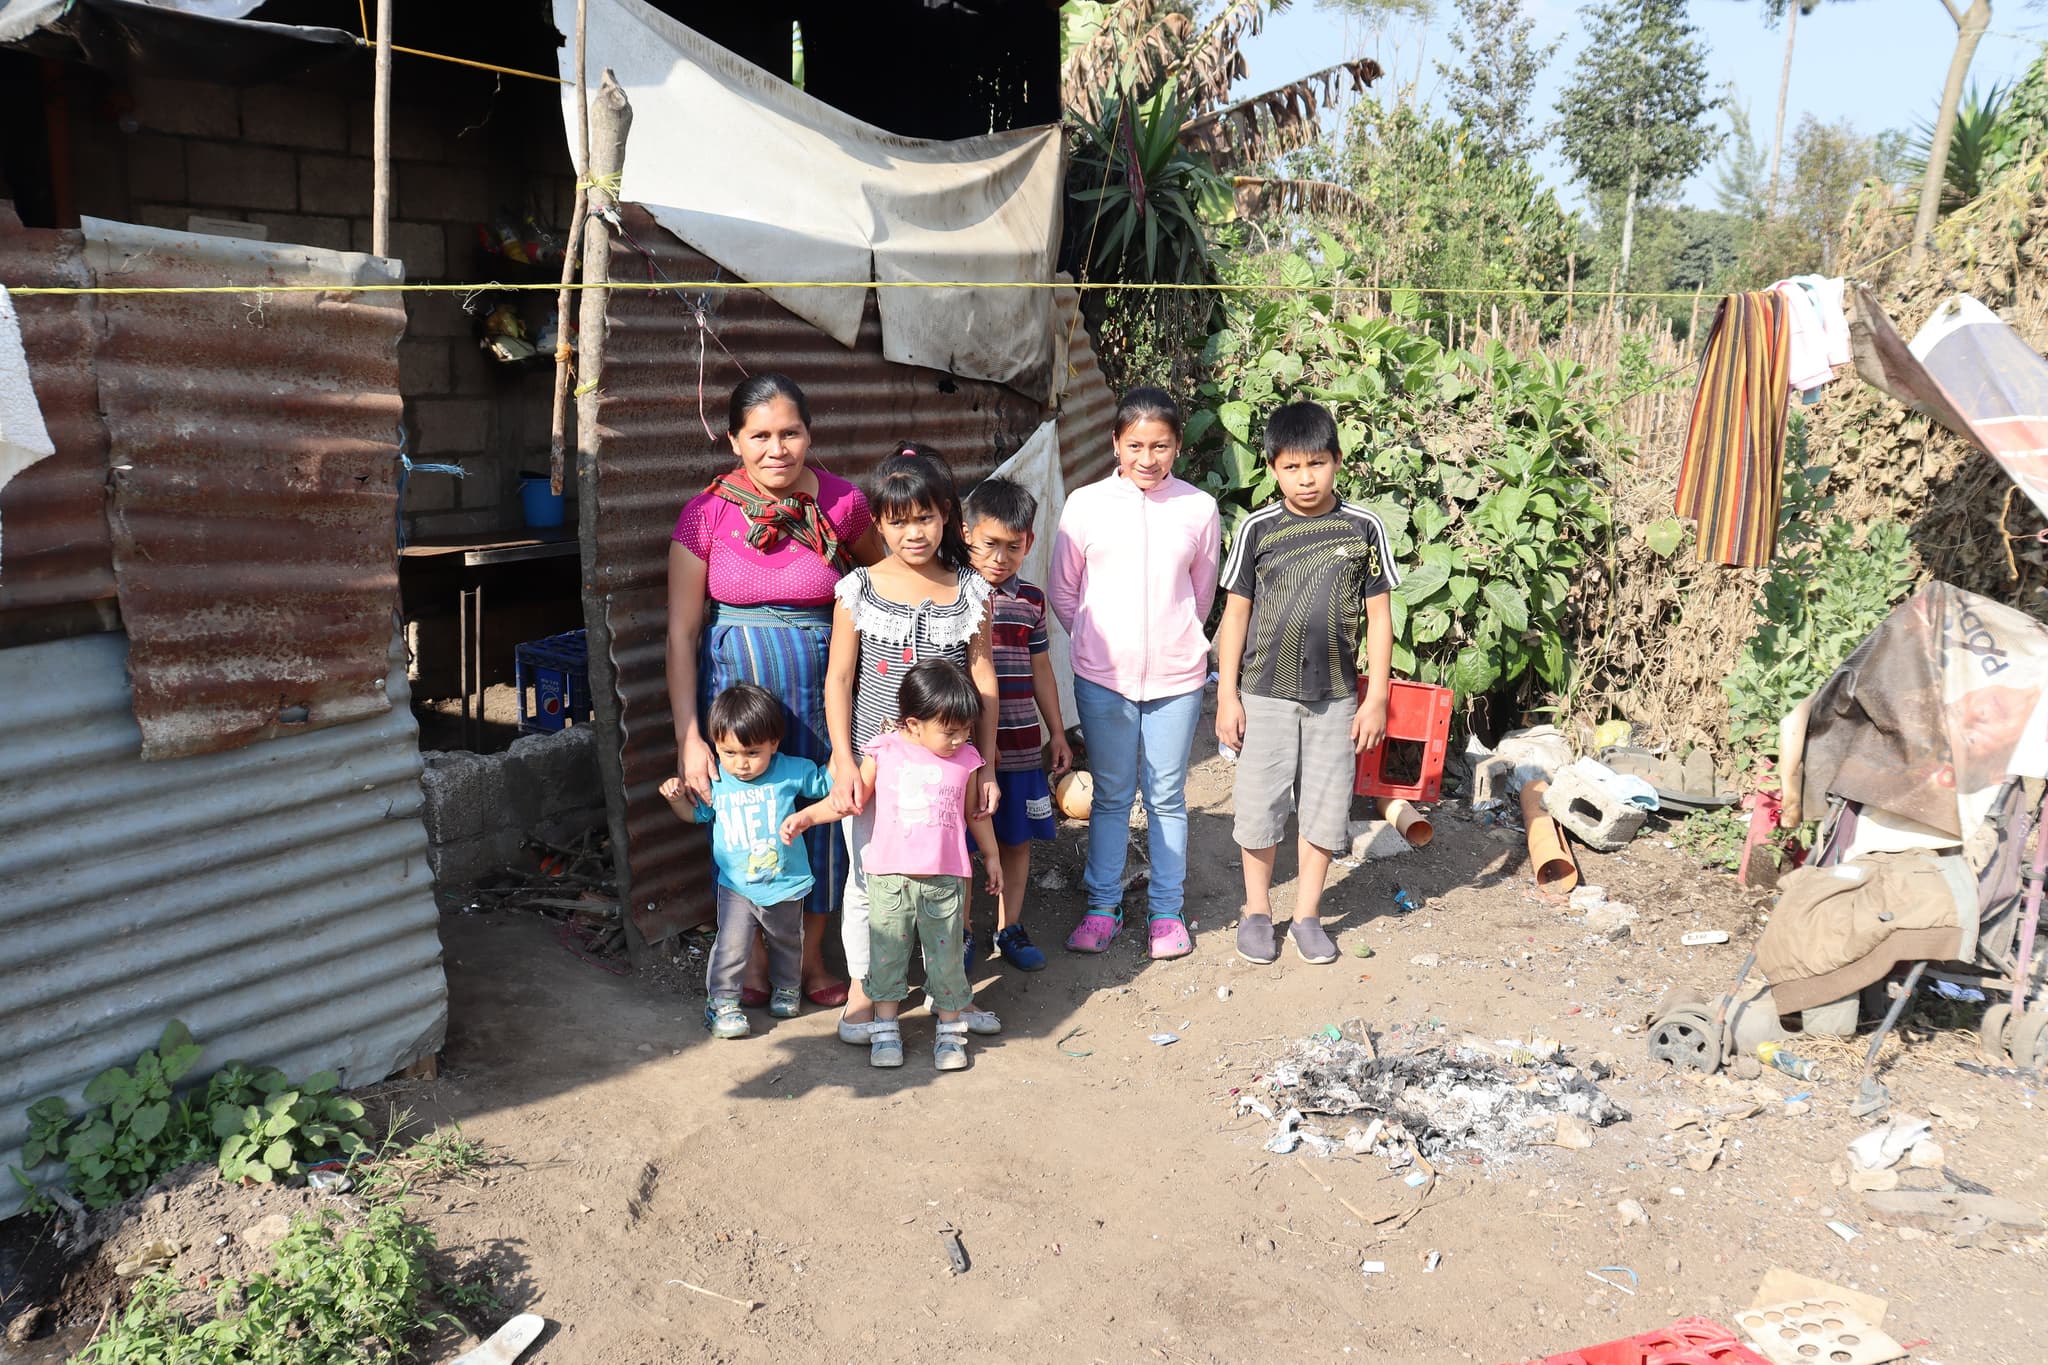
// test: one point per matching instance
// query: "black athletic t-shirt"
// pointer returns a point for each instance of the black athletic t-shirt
(1308, 579)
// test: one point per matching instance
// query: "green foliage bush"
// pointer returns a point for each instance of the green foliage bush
(1828, 589)
(258, 1123)
(1483, 466)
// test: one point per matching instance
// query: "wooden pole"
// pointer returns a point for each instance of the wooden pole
(559, 424)
(380, 138)
(612, 118)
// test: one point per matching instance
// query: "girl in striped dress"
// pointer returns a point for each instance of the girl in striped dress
(923, 600)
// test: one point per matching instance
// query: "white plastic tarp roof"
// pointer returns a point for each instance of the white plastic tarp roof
(775, 186)
(19, 18)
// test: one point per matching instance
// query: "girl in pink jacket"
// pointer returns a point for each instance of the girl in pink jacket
(1133, 576)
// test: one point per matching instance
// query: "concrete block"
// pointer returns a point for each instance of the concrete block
(443, 192)
(451, 426)
(453, 523)
(418, 133)
(242, 177)
(295, 116)
(484, 488)
(1493, 779)
(99, 182)
(156, 167)
(564, 766)
(1592, 814)
(335, 184)
(423, 367)
(1375, 840)
(197, 108)
(331, 233)
(462, 795)
(471, 370)
(437, 315)
(466, 860)
(430, 493)
(465, 259)
(171, 216)
(423, 249)
(525, 788)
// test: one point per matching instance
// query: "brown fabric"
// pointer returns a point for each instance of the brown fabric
(1838, 929)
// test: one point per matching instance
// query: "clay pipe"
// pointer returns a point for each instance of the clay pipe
(1549, 857)
(1410, 823)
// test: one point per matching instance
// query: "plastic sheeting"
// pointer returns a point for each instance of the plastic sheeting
(1037, 468)
(775, 186)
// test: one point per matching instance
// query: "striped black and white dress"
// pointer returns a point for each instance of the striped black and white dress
(894, 635)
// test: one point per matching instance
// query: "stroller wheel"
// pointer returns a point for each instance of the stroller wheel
(2030, 1040)
(1684, 1038)
(1994, 1034)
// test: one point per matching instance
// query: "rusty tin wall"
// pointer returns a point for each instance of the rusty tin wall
(55, 550)
(655, 455)
(253, 440)
(1087, 407)
(277, 898)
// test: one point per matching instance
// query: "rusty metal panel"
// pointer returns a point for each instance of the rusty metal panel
(276, 898)
(54, 546)
(1087, 409)
(655, 455)
(253, 440)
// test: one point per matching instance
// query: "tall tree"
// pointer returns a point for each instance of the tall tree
(1739, 177)
(1491, 84)
(1634, 118)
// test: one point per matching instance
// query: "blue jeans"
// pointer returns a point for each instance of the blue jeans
(1137, 748)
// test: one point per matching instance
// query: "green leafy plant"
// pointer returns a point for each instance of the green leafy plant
(1481, 464)
(270, 1128)
(339, 1294)
(137, 1129)
(1142, 194)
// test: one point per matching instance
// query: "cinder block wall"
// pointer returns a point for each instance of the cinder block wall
(295, 159)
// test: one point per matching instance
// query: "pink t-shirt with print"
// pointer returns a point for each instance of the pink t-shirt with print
(789, 575)
(920, 809)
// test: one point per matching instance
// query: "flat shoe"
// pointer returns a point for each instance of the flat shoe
(752, 999)
(828, 997)
(1255, 940)
(1311, 942)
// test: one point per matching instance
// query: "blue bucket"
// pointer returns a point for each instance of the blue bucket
(543, 508)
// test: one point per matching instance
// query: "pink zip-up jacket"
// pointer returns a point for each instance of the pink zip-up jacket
(1133, 577)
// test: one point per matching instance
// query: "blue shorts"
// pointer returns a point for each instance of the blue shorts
(1025, 812)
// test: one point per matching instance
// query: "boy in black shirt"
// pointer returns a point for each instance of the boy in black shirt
(1300, 574)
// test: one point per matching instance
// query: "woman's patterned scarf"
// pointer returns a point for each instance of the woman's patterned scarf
(797, 516)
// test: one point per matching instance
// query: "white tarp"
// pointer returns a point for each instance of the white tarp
(1037, 467)
(23, 437)
(775, 186)
(19, 18)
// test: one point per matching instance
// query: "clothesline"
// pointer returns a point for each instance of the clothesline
(495, 286)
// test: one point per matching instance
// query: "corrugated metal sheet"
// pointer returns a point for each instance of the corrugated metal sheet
(253, 441)
(276, 898)
(54, 546)
(655, 455)
(1087, 407)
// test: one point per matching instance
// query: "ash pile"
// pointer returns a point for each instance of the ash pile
(1335, 1092)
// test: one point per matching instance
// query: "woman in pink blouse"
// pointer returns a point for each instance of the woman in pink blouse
(751, 571)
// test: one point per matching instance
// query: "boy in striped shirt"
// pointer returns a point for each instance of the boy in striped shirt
(997, 521)
(1303, 574)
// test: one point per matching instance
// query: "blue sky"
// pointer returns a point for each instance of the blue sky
(1877, 63)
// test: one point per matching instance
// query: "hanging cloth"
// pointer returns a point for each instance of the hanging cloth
(23, 437)
(1806, 339)
(797, 516)
(1826, 295)
(1730, 478)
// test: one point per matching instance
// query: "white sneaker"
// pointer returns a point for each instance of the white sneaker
(979, 1021)
(856, 1034)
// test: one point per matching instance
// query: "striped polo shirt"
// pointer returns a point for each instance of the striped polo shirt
(1016, 632)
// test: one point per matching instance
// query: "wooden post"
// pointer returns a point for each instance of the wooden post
(1571, 280)
(380, 138)
(558, 427)
(611, 119)
(1692, 326)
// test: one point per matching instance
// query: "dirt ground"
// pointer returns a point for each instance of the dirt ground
(1115, 1207)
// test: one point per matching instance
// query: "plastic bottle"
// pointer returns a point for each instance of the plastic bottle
(1774, 1054)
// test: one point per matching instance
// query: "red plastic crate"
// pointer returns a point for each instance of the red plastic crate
(1689, 1341)
(1419, 713)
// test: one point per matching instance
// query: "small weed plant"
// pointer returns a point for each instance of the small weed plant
(338, 1295)
(258, 1124)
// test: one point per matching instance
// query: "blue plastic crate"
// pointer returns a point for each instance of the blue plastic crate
(552, 678)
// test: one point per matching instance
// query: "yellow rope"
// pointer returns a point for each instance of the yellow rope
(609, 184)
(27, 291)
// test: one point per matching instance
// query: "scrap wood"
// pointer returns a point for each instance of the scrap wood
(748, 1304)
(1355, 1211)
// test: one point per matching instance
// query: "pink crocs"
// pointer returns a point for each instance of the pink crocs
(1094, 932)
(1170, 937)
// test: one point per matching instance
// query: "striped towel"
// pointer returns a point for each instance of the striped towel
(1730, 481)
